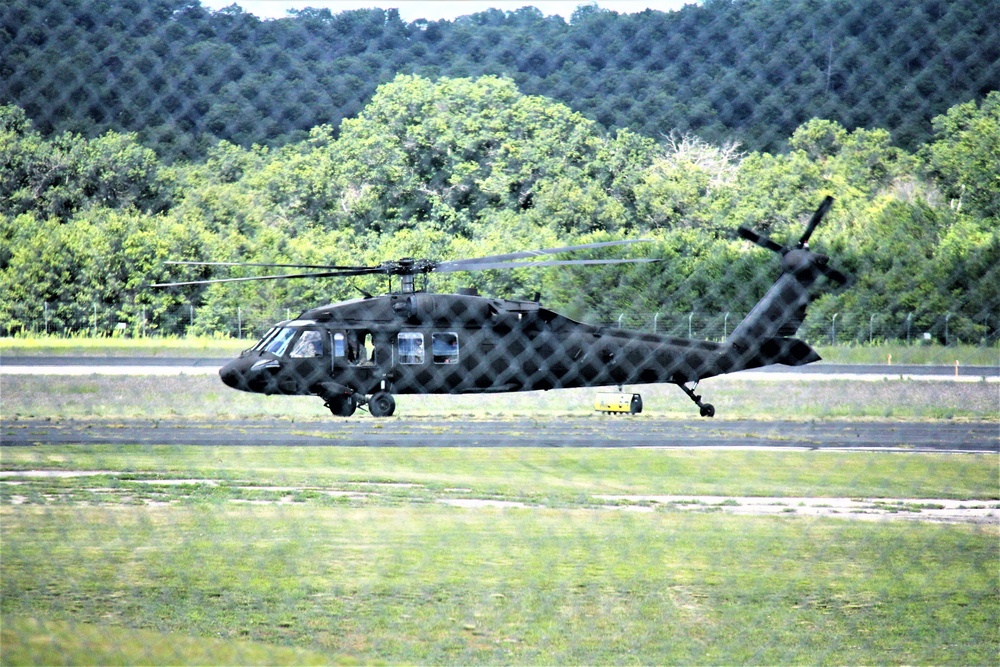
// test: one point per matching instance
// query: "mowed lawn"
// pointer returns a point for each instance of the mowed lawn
(291, 555)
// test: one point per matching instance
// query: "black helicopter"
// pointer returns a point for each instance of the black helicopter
(363, 351)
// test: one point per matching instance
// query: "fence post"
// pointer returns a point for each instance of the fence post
(833, 330)
(909, 320)
(946, 318)
(725, 326)
(620, 320)
(690, 317)
(871, 321)
(655, 317)
(239, 322)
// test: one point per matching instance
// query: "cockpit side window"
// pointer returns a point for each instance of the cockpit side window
(309, 344)
(279, 343)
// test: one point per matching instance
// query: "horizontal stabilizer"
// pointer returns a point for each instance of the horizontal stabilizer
(777, 350)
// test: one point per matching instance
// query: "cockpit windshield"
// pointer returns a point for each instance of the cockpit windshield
(265, 340)
(279, 342)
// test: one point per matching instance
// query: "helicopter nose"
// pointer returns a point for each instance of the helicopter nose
(231, 375)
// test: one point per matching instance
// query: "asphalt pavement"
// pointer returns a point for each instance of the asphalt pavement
(621, 431)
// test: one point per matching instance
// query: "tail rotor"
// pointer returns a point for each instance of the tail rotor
(798, 259)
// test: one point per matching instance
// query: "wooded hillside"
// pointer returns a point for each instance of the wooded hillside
(750, 71)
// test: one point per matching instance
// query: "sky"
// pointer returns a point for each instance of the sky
(433, 10)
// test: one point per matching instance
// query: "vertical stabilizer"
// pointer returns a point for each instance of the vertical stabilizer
(764, 336)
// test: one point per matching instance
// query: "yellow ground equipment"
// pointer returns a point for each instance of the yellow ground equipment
(613, 402)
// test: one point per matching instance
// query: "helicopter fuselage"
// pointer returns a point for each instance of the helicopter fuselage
(362, 351)
(445, 343)
(419, 343)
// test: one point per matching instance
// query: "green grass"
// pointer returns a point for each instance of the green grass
(104, 397)
(68, 643)
(549, 477)
(194, 346)
(934, 354)
(303, 555)
(346, 552)
(432, 584)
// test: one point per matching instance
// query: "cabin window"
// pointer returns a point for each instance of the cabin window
(338, 344)
(411, 348)
(309, 344)
(279, 343)
(444, 347)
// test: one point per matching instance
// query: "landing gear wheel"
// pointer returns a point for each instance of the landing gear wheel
(342, 406)
(707, 409)
(382, 404)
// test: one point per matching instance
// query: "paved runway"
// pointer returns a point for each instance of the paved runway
(591, 431)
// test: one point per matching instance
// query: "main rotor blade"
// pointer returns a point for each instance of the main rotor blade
(326, 274)
(535, 253)
(487, 266)
(815, 220)
(762, 241)
(281, 266)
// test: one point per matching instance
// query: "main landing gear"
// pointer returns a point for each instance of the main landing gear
(707, 409)
(380, 404)
(341, 406)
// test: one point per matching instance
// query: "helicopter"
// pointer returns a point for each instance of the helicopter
(362, 352)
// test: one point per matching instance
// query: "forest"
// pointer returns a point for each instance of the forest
(183, 77)
(462, 167)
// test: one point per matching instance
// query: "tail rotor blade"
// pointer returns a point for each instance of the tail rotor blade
(815, 220)
(762, 241)
(833, 274)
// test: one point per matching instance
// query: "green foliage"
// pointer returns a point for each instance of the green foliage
(469, 167)
(71, 173)
(184, 77)
(966, 155)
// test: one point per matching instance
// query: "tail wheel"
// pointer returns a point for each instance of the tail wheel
(382, 404)
(342, 406)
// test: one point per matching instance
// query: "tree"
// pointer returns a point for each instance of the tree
(965, 156)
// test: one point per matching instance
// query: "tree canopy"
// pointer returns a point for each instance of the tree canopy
(183, 77)
(446, 168)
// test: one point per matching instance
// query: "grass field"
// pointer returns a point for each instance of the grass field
(102, 396)
(349, 554)
(144, 554)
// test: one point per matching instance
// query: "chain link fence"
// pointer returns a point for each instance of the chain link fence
(236, 321)
(164, 518)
